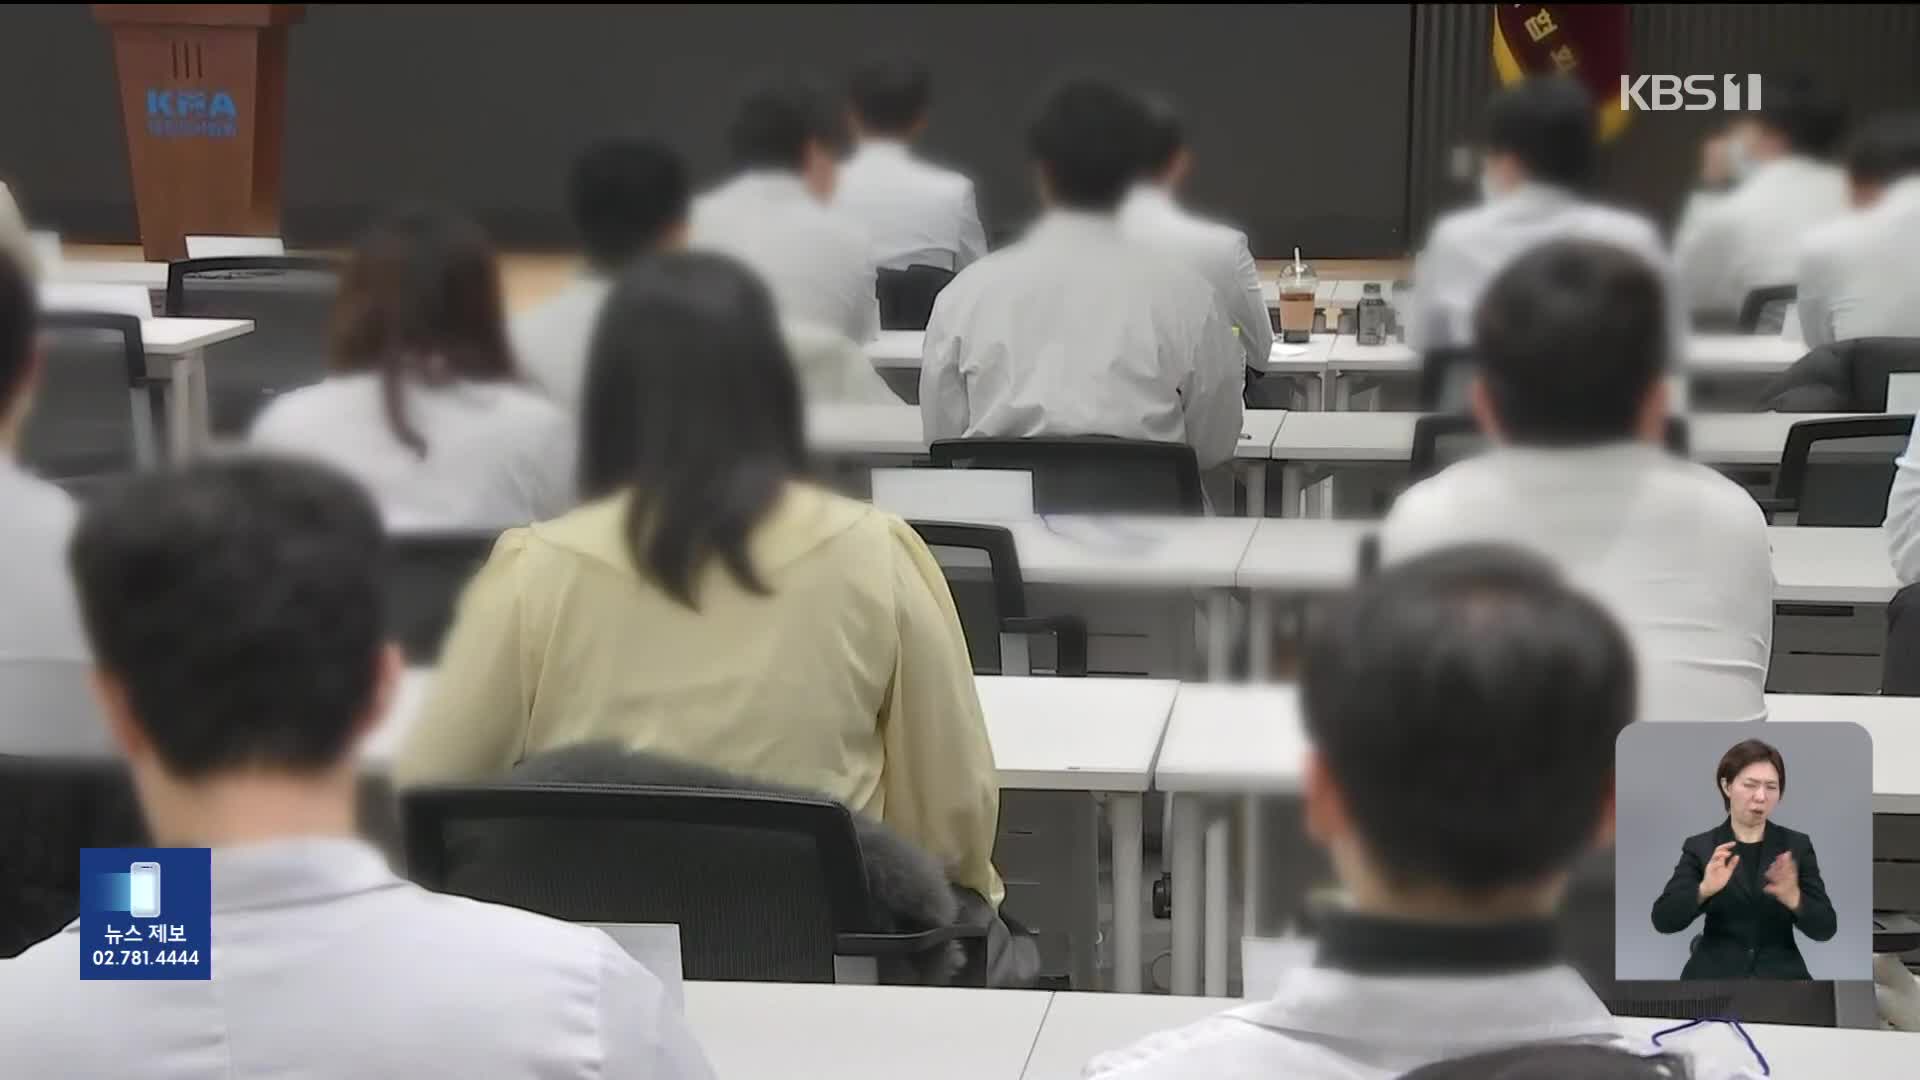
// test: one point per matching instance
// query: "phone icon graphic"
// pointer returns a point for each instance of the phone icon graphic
(143, 894)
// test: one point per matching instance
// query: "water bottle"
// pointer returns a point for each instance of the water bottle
(1371, 318)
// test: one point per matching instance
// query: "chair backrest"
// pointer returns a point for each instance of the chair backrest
(907, 296)
(760, 885)
(982, 568)
(47, 710)
(1764, 311)
(425, 575)
(1089, 474)
(1837, 471)
(92, 418)
(1440, 439)
(1900, 660)
(1443, 377)
(1869, 361)
(50, 807)
(290, 300)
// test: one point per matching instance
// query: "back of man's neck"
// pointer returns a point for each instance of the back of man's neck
(250, 808)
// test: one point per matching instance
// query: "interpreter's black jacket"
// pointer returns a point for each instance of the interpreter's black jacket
(1748, 933)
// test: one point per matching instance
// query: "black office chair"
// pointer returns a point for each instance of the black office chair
(1764, 311)
(1089, 474)
(290, 300)
(50, 808)
(1846, 376)
(1836, 472)
(425, 575)
(1900, 660)
(765, 888)
(993, 611)
(1440, 439)
(907, 296)
(1443, 377)
(97, 416)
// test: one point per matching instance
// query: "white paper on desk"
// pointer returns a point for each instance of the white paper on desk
(954, 494)
(1790, 324)
(1263, 961)
(1903, 392)
(213, 247)
(46, 249)
(131, 300)
(1290, 350)
(657, 947)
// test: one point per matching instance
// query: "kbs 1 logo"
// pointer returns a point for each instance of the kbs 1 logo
(192, 114)
(1694, 93)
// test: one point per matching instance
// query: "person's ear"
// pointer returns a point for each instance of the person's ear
(821, 170)
(1043, 184)
(918, 129)
(390, 668)
(1326, 818)
(116, 710)
(1480, 403)
(675, 236)
(1180, 169)
(1651, 425)
(1603, 830)
(1865, 194)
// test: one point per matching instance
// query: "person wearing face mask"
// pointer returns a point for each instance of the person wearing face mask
(1766, 185)
(1542, 144)
(1754, 879)
(775, 214)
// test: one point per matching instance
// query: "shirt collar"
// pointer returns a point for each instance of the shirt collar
(771, 184)
(296, 871)
(1147, 193)
(1074, 226)
(1373, 945)
(881, 146)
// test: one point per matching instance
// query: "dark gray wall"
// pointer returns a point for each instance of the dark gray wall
(1328, 126)
(483, 105)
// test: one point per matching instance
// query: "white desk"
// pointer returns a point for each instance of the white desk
(1894, 724)
(1080, 1026)
(1831, 566)
(183, 343)
(147, 275)
(896, 348)
(800, 1031)
(1094, 735)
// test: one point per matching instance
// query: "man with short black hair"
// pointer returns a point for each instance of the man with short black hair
(916, 213)
(775, 214)
(1766, 184)
(1857, 275)
(1542, 147)
(235, 609)
(626, 197)
(38, 620)
(1075, 329)
(1571, 385)
(1461, 710)
(1154, 215)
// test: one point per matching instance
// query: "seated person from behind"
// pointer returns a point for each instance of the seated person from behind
(1154, 215)
(425, 407)
(1767, 185)
(627, 197)
(775, 214)
(1462, 710)
(235, 611)
(917, 213)
(39, 621)
(1571, 389)
(1856, 274)
(1542, 151)
(1075, 329)
(711, 605)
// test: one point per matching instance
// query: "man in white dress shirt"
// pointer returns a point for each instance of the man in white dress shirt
(1859, 276)
(916, 213)
(775, 215)
(626, 197)
(1462, 712)
(1153, 214)
(1076, 329)
(1542, 147)
(1733, 240)
(235, 609)
(1571, 354)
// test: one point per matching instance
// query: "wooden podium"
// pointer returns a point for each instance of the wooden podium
(203, 93)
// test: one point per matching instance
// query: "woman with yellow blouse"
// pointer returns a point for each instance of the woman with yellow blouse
(711, 605)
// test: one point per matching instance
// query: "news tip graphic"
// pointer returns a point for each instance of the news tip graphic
(146, 913)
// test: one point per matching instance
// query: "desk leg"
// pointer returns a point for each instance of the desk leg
(1219, 639)
(1342, 394)
(1219, 896)
(1290, 490)
(1184, 843)
(1250, 864)
(1256, 479)
(187, 409)
(1123, 818)
(1259, 635)
(1320, 392)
